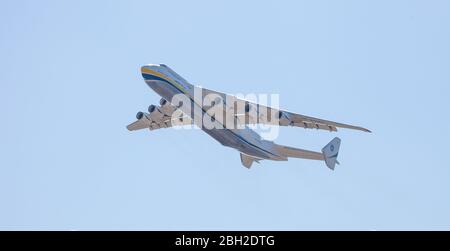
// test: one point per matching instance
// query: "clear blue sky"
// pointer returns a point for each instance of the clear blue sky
(70, 83)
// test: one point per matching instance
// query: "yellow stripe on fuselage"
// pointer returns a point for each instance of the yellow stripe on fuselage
(160, 75)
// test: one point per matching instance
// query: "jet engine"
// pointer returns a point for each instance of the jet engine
(284, 118)
(139, 115)
(166, 107)
(143, 116)
(162, 102)
(155, 113)
(252, 113)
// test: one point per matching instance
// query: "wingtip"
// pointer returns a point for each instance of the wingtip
(364, 129)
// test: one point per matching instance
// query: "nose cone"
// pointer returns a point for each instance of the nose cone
(144, 68)
(153, 71)
(149, 72)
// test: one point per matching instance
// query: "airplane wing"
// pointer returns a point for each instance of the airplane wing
(164, 116)
(163, 123)
(252, 113)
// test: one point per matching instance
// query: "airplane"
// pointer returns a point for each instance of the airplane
(252, 147)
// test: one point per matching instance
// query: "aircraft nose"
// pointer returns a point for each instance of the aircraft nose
(147, 72)
(144, 68)
(151, 72)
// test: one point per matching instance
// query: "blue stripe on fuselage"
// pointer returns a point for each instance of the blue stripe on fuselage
(153, 77)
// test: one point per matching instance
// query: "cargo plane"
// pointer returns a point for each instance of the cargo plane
(181, 105)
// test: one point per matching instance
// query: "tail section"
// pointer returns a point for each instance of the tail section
(330, 152)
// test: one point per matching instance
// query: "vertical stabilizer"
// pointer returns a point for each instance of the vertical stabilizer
(330, 152)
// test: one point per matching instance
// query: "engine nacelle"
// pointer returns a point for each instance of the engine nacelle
(155, 113)
(249, 108)
(166, 107)
(252, 113)
(284, 118)
(163, 102)
(139, 115)
(143, 116)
